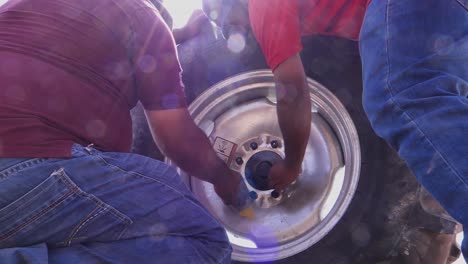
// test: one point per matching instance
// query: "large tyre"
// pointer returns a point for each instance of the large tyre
(384, 214)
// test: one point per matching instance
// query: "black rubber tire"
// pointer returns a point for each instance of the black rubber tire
(207, 61)
(382, 211)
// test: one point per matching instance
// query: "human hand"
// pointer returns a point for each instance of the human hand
(233, 191)
(192, 28)
(226, 187)
(197, 19)
(281, 175)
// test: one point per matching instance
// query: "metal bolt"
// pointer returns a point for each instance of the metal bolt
(275, 194)
(274, 144)
(239, 161)
(253, 195)
(253, 145)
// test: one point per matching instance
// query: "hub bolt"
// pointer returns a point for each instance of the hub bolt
(274, 144)
(275, 194)
(253, 195)
(253, 145)
(239, 161)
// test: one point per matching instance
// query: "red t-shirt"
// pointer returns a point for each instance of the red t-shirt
(70, 71)
(279, 25)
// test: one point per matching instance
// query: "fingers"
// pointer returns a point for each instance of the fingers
(197, 18)
(280, 186)
(275, 183)
(280, 178)
(232, 190)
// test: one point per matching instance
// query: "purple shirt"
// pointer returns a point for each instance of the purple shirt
(70, 71)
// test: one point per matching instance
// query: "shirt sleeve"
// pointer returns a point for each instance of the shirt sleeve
(276, 26)
(156, 66)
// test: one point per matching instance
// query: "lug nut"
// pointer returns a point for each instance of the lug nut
(239, 161)
(253, 195)
(253, 145)
(275, 194)
(274, 144)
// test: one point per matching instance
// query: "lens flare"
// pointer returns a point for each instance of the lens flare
(214, 15)
(236, 43)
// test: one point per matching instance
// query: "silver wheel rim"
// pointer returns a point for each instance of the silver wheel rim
(241, 110)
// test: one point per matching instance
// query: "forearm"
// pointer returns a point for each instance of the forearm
(195, 155)
(294, 117)
(189, 148)
(181, 35)
(294, 109)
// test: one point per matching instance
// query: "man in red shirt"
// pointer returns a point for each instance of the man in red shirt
(70, 71)
(278, 26)
(415, 72)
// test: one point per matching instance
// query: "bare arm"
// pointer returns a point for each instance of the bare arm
(183, 142)
(294, 117)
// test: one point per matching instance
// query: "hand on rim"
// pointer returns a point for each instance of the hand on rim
(233, 191)
(281, 175)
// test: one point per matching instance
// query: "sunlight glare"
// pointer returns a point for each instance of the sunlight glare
(459, 241)
(181, 10)
(239, 241)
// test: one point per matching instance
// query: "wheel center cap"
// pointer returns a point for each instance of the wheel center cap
(258, 167)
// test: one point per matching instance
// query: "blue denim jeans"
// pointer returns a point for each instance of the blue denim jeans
(415, 67)
(101, 207)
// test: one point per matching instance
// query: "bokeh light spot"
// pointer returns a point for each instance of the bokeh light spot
(147, 64)
(170, 101)
(158, 232)
(361, 236)
(236, 43)
(119, 70)
(214, 15)
(441, 43)
(96, 128)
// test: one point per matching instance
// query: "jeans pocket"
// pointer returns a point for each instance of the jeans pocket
(59, 213)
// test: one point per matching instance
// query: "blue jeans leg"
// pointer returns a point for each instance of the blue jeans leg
(105, 208)
(415, 70)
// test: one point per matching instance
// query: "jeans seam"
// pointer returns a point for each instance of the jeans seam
(404, 114)
(122, 232)
(464, 4)
(20, 166)
(39, 214)
(32, 198)
(227, 252)
(77, 229)
(437, 52)
(124, 218)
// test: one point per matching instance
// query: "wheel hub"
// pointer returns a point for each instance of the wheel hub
(239, 117)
